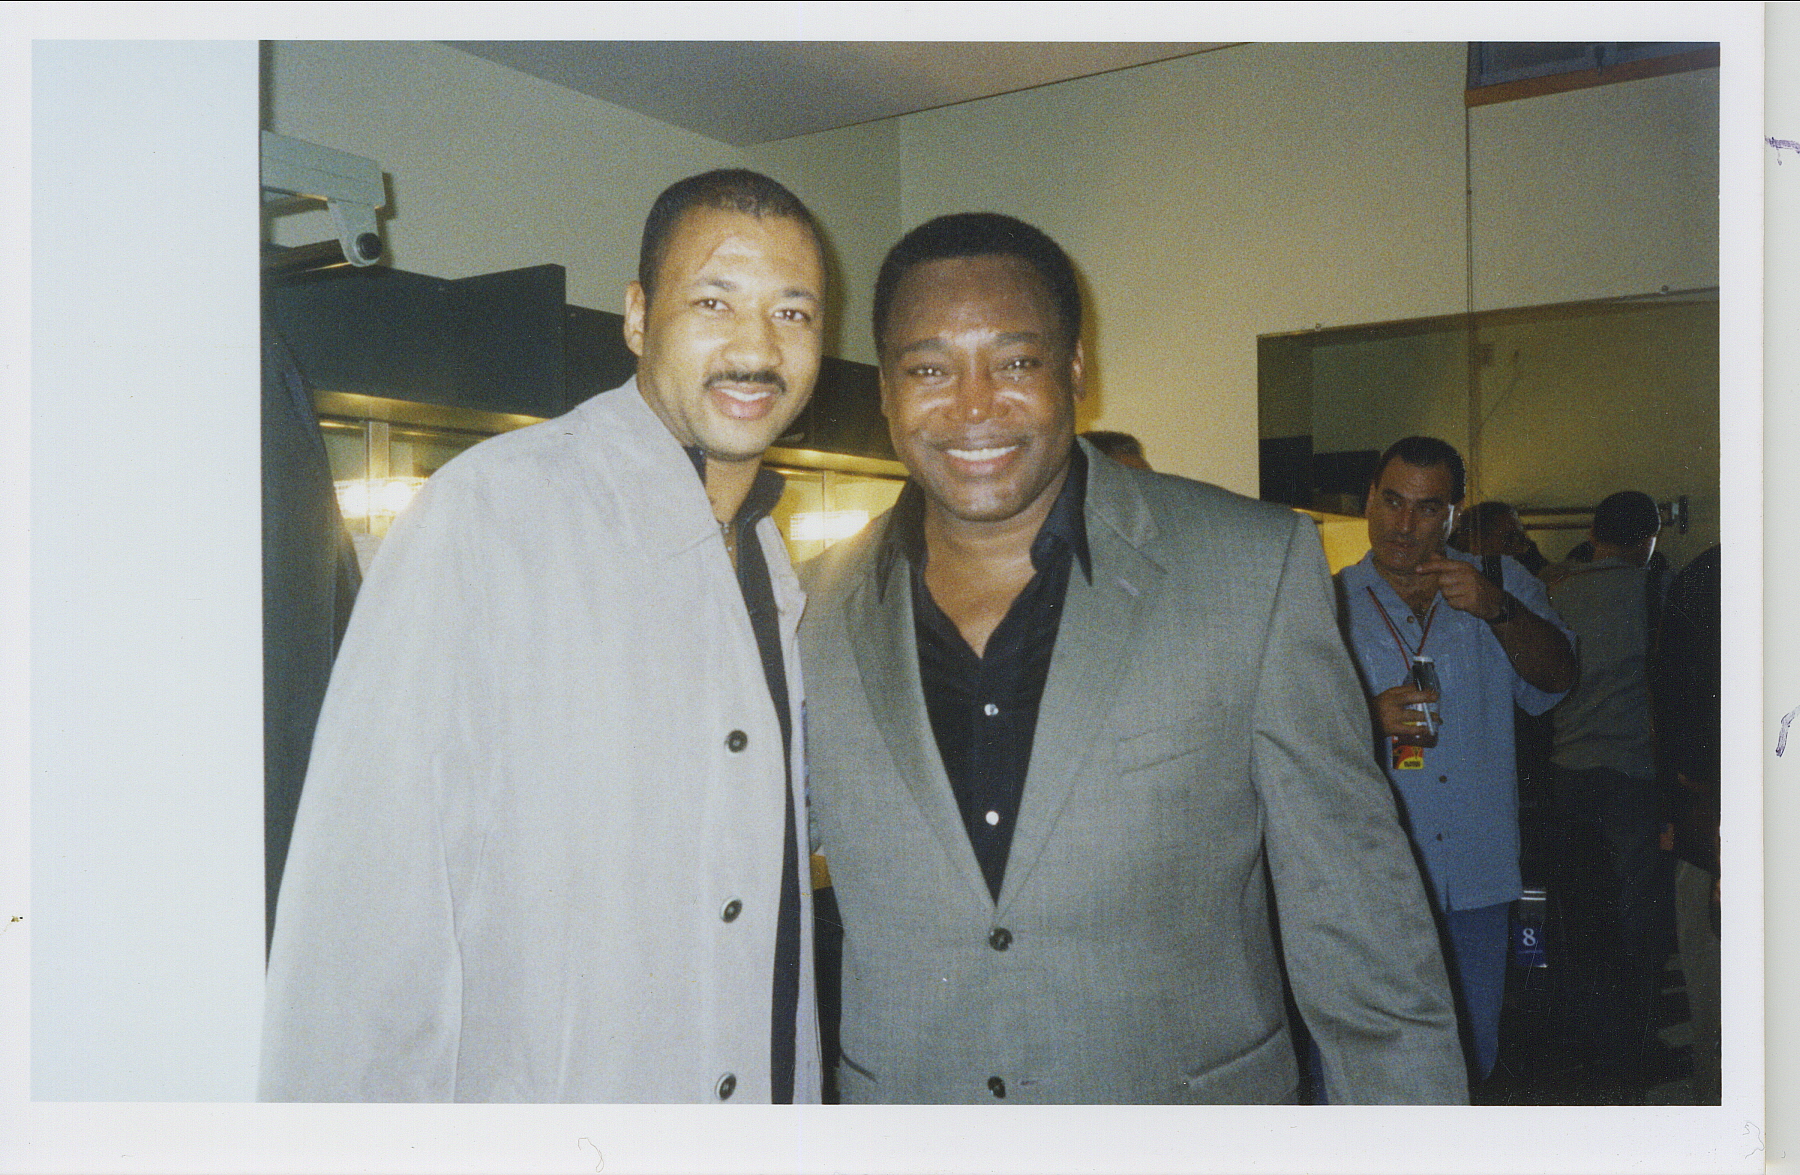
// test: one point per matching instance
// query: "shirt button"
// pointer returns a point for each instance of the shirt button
(1000, 939)
(1440, 836)
(726, 1087)
(997, 1087)
(990, 709)
(1443, 779)
(993, 817)
(732, 909)
(736, 741)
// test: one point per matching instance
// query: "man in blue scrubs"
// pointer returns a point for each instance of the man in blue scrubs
(1410, 609)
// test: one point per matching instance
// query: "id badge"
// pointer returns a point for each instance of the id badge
(1409, 757)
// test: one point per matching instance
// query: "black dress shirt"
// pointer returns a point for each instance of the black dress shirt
(984, 708)
(759, 602)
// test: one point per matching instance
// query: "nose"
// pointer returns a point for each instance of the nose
(752, 345)
(975, 395)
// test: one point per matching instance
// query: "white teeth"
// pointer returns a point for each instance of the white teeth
(744, 397)
(980, 454)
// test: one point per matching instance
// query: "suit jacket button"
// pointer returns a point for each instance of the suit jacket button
(736, 741)
(996, 1087)
(1000, 939)
(732, 909)
(726, 1087)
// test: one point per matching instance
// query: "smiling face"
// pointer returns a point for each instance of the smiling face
(729, 347)
(979, 388)
(1410, 514)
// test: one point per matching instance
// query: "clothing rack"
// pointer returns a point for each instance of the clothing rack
(1673, 513)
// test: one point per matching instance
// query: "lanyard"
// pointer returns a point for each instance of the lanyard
(1406, 655)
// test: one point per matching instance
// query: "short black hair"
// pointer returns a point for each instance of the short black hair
(1626, 518)
(981, 234)
(731, 189)
(1114, 444)
(1425, 453)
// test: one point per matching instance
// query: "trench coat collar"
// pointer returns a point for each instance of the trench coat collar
(663, 506)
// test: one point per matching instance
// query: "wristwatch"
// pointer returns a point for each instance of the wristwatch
(1506, 609)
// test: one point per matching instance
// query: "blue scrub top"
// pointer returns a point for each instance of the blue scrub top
(1462, 808)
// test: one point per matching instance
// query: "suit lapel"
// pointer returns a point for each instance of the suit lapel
(1093, 649)
(887, 657)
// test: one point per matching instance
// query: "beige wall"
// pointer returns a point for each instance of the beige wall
(1577, 408)
(1214, 198)
(1597, 192)
(491, 169)
(1270, 188)
(1207, 200)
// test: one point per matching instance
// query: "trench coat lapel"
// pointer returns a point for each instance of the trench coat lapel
(887, 656)
(1093, 650)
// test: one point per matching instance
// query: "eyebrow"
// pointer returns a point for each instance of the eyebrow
(726, 285)
(921, 345)
(1005, 339)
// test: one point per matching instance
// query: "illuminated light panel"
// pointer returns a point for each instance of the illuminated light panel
(372, 498)
(826, 525)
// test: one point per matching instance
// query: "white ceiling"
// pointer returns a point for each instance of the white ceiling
(744, 92)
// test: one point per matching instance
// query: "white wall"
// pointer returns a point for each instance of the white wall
(1206, 200)
(491, 169)
(1214, 198)
(1271, 187)
(1596, 193)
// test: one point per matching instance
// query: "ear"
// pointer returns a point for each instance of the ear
(1078, 371)
(636, 305)
(881, 375)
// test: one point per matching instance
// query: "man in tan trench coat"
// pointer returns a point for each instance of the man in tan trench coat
(549, 845)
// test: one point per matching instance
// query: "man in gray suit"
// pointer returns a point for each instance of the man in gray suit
(1077, 735)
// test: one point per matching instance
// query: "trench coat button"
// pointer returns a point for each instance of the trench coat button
(732, 909)
(1000, 939)
(726, 1087)
(997, 1087)
(736, 741)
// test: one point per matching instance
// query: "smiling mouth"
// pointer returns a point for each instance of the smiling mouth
(987, 453)
(745, 395)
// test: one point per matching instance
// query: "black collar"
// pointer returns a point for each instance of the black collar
(765, 491)
(1064, 527)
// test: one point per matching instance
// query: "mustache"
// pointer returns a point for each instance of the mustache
(771, 378)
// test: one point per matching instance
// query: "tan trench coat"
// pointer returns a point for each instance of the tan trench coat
(524, 818)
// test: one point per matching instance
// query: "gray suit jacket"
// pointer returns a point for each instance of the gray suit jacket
(1201, 764)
